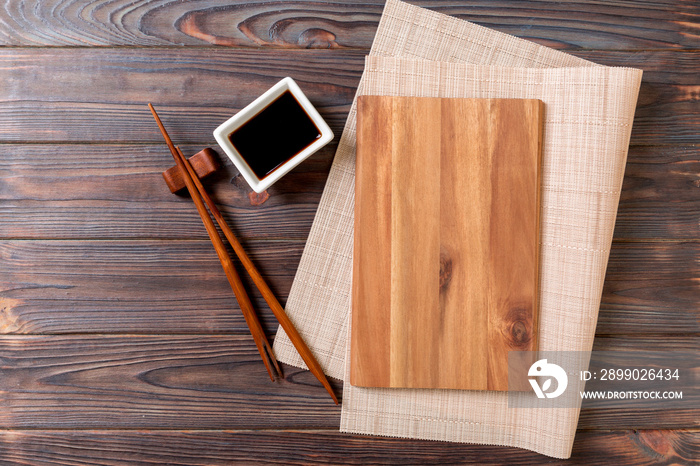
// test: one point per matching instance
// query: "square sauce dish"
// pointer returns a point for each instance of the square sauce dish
(272, 135)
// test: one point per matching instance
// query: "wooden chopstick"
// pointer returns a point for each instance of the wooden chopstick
(246, 306)
(261, 284)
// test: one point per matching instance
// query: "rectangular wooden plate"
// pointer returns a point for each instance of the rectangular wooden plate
(446, 249)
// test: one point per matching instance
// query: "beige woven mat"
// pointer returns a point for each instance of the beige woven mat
(588, 118)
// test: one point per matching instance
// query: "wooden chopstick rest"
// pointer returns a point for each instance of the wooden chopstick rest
(204, 163)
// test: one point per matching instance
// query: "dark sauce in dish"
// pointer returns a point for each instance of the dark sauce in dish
(276, 134)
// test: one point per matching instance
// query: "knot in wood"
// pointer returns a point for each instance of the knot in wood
(518, 328)
(445, 270)
(317, 38)
(519, 332)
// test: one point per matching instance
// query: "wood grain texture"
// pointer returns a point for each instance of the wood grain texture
(309, 24)
(208, 382)
(133, 286)
(43, 194)
(159, 381)
(190, 447)
(639, 290)
(414, 283)
(449, 260)
(665, 180)
(38, 200)
(195, 90)
(153, 286)
(514, 233)
(463, 197)
(373, 203)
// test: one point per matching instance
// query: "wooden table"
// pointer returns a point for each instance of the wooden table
(121, 340)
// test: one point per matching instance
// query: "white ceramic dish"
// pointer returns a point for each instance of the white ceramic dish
(229, 126)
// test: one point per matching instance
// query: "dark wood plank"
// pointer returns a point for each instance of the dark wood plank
(133, 286)
(635, 342)
(178, 287)
(208, 382)
(58, 94)
(195, 90)
(648, 284)
(117, 447)
(660, 194)
(303, 23)
(49, 191)
(91, 191)
(135, 382)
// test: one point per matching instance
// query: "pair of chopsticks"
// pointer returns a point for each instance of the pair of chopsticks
(200, 197)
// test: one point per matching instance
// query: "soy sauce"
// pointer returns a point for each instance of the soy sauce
(276, 134)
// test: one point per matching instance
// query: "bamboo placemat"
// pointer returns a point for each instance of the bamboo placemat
(588, 119)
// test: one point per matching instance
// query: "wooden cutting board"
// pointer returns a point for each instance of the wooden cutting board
(446, 249)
